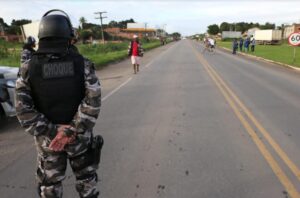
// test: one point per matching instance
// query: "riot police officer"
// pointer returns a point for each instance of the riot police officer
(28, 49)
(58, 100)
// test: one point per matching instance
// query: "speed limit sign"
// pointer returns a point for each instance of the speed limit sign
(294, 39)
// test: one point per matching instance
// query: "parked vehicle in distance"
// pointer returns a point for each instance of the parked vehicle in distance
(8, 77)
(268, 36)
(231, 34)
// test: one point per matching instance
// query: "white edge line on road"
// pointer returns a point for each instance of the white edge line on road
(116, 89)
(159, 56)
(148, 64)
(129, 79)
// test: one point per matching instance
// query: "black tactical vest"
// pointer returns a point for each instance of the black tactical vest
(57, 85)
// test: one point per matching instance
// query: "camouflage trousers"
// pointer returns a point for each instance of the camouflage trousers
(52, 166)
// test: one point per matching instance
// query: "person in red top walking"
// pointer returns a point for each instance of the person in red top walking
(136, 51)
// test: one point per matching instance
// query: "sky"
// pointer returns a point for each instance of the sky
(185, 16)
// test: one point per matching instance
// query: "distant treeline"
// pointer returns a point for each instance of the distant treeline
(85, 30)
(14, 27)
(240, 26)
(120, 24)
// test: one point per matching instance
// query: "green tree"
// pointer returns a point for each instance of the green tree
(160, 32)
(20, 22)
(96, 32)
(213, 29)
(85, 35)
(123, 24)
(267, 25)
(82, 21)
(2, 23)
(91, 25)
(224, 27)
(15, 26)
(13, 30)
(113, 24)
(176, 34)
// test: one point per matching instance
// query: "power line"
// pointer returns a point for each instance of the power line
(101, 20)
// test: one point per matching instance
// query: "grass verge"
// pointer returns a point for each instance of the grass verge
(279, 53)
(10, 53)
(101, 55)
(102, 58)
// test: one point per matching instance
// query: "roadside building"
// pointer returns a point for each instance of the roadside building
(10, 37)
(113, 31)
(139, 29)
(288, 30)
(150, 33)
(1, 28)
(218, 37)
(231, 34)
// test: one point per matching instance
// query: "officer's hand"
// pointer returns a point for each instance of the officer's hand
(62, 127)
(60, 140)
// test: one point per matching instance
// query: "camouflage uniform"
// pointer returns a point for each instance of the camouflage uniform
(52, 165)
(26, 55)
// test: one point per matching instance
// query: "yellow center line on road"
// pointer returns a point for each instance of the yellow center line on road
(290, 188)
(293, 167)
(264, 132)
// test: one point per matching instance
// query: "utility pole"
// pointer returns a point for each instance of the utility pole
(164, 29)
(146, 34)
(101, 18)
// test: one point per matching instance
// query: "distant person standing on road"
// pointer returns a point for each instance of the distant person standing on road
(235, 46)
(246, 44)
(253, 43)
(206, 44)
(58, 99)
(212, 43)
(241, 44)
(204, 40)
(28, 49)
(136, 51)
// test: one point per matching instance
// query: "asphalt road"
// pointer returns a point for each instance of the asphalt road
(190, 124)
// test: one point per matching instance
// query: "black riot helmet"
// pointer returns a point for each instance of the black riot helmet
(30, 40)
(55, 26)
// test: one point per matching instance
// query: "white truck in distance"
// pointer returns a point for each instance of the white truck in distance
(268, 36)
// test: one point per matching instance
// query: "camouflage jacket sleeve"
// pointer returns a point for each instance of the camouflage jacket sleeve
(129, 50)
(33, 121)
(141, 50)
(25, 55)
(89, 108)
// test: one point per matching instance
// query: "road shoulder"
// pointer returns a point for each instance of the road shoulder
(262, 59)
(114, 75)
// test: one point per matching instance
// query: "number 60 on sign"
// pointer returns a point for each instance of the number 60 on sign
(294, 39)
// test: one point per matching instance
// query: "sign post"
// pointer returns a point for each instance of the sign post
(294, 40)
(294, 58)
